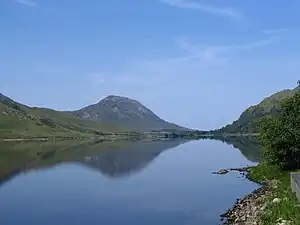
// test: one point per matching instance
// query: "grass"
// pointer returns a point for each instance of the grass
(42, 122)
(288, 208)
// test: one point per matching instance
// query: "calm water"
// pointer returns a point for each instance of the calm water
(139, 183)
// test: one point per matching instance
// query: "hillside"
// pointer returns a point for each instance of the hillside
(17, 120)
(248, 122)
(125, 112)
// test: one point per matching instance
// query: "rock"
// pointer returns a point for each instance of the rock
(263, 208)
(248, 211)
(243, 218)
(222, 171)
(276, 200)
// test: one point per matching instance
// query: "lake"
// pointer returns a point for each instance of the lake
(143, 183)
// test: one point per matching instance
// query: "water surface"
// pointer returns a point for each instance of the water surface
(167, 182)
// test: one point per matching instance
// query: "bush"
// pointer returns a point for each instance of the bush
(280, 135)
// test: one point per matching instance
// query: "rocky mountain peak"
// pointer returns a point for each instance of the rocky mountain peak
(124, 111)
(115, 98)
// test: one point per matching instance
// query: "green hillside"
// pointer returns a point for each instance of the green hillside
(249, 120)
(17, 120)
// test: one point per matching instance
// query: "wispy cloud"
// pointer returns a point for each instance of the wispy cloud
(27, 3)
(194, 61)
(190, 4)
(273, 31)
(218, 54)
(249, 46)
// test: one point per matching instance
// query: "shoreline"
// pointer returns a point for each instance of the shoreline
(249, 209)
(272, 203)
(101, 138)
(121, 136)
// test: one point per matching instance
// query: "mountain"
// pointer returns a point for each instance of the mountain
(3, 98)
(248, 122)
(113, 114)
(18, 120)
(126, 112)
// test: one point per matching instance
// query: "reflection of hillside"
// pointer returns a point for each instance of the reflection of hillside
(20, 157)
(131, 158)
(113, 159)
(249, 147)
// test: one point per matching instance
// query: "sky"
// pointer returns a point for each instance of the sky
(198, 63)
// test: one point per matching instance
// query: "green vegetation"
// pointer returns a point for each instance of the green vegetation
(20, 121)
(249, 121)
(112, 116)
(280, 137)
(288, 207)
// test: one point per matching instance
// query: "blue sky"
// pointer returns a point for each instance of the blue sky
(198, 63)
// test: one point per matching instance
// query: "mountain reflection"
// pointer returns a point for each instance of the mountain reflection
(249, 147)
(128, 159)
(112, 159)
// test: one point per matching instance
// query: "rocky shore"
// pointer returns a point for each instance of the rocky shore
(248, 210)
(243, 170)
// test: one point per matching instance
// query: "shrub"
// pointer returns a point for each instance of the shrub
(280, 135)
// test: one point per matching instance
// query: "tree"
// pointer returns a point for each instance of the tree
(280, 135)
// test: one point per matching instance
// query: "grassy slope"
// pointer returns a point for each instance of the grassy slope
(249, 119)
(25, 121)
(288, 208)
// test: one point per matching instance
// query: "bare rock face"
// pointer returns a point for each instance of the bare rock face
(127, 112)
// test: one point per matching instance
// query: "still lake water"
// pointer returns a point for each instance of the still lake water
(143, 183)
